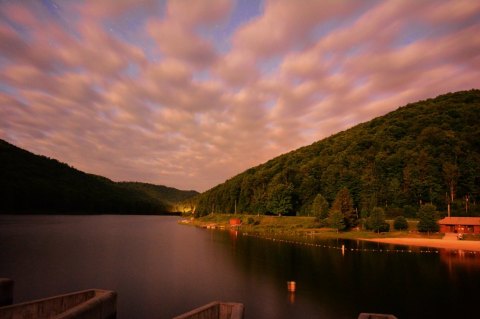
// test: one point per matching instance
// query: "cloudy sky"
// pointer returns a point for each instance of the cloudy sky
(188, 93)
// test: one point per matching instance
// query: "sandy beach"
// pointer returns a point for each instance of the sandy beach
(435, 243)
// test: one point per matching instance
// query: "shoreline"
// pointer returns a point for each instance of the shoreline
(469, 245)
(285, 227)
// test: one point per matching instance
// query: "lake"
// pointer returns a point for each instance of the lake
(161, 269)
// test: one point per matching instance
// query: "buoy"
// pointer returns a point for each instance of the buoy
(291, 285)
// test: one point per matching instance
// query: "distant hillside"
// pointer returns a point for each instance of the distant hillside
(168, 195)
(36, 184)
(427, 151)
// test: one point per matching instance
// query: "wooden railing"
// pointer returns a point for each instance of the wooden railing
(93, 303)
(215, 310)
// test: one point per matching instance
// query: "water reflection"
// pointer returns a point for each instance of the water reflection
(341, 278)
(233, 235)
(291, 297)
(455, 259)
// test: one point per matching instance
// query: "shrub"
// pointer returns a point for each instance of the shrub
(384, 228)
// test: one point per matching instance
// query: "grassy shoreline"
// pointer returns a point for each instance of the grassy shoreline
(288, 226)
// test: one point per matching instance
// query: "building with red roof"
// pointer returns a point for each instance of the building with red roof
(462, 225)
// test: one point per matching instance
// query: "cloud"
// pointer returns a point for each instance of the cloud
(237, 69)
(287, 23)
(376, 63)
(99, 52)
(140, 90)
(284, 25)
(453, 11)
(177, 35)
(193, 14)
(16, 48)
(113, 8)
(18, 14)
(176, 41)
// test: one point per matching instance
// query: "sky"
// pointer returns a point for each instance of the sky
(189, 93)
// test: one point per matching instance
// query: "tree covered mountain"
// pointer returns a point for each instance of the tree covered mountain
(424, 152)
(36, 184)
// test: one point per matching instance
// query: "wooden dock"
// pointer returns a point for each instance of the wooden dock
(216, 310)
(92, 303)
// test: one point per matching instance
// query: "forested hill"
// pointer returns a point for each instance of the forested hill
(169, 195)
(424, 152)
(36, 184)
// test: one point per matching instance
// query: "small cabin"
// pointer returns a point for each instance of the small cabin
(235, 221)
(461, 225)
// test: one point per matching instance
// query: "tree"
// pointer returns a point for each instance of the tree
(376, 220)
(320, 207)
(280, 199)
(450, 174)
(410, 211)
(336, 220)
(400, 223)
(427, 216)
(344, 204)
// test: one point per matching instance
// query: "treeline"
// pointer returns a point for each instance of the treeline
(342, 215)
(424, 152)
(36, 184)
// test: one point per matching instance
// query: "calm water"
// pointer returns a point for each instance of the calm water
(161, 269)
